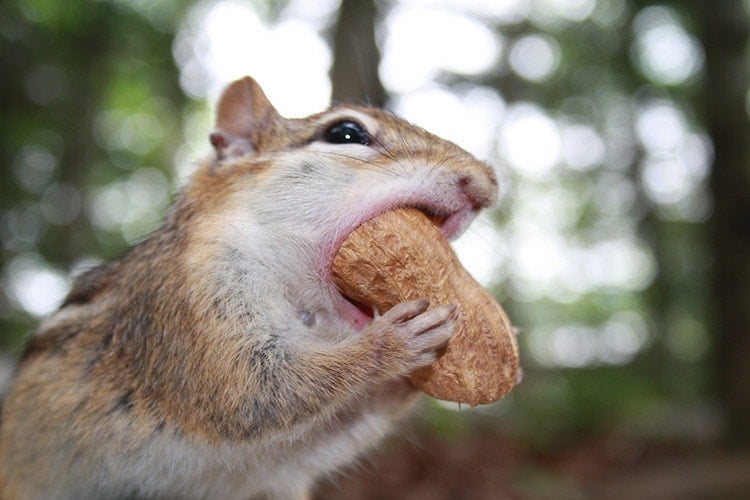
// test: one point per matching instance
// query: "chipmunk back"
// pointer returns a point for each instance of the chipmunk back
(217, 359)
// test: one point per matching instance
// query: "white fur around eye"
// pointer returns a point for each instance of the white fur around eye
(357, 151)
(369, 123)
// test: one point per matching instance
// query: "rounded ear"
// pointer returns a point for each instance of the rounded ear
(244, 118)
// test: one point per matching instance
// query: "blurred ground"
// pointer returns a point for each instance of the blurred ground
(485, 465)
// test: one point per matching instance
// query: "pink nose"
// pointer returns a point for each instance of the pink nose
(481, 190)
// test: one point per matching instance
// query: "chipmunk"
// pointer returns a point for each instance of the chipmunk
(217, 359)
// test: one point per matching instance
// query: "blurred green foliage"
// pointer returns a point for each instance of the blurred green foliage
(71, 69)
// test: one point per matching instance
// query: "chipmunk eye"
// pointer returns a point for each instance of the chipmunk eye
(347, 132)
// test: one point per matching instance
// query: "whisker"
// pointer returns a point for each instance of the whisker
(375, 167)
(483, 220)
(388, 152)
(408, 151)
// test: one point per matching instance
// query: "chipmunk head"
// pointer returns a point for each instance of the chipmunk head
(285, 193)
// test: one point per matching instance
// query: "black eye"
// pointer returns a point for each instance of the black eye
(347, 132)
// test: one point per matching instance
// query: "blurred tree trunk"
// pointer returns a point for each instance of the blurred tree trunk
(355, 55)
(726, 85)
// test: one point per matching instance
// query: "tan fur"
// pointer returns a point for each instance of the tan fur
(216, 359)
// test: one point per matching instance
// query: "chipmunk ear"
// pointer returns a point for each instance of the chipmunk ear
(244, 118)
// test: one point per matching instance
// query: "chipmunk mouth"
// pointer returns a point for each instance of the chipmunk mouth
(450, 224)
(366, 312)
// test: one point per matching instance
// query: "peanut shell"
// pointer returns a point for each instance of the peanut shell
(401, 255)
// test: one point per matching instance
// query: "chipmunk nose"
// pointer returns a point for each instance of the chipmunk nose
(479, 185)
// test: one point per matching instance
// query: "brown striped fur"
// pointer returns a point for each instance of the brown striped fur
(216, 359)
